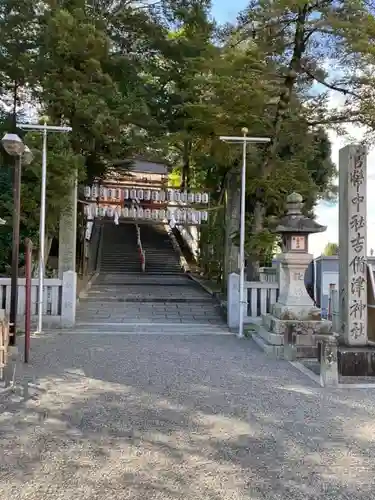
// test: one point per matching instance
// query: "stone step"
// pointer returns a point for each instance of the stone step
(108, 267)
(147, 329)
(150, 289)
(270, 337)
(137, 279)
(279, 351)
(144, 300)
(115, 266)
(120, 276)
(150, 309)
(112, 260)
(274, 351)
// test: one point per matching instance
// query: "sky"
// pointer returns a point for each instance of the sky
(227, 10)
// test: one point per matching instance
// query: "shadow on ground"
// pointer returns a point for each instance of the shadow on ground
(179, 418)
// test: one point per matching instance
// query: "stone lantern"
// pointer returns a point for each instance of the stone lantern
(290, 331)
(294, 228)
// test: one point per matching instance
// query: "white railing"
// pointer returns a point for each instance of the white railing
(260, 297)
(59, 299)
(269, 274)
(333, 308)
(140, 248)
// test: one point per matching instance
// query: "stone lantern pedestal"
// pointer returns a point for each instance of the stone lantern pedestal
(294, 327)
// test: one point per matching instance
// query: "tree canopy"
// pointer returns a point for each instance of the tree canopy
(331, 249)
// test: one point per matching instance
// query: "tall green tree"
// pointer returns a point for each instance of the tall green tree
(173, 81)
(297, 40)
(19, 30)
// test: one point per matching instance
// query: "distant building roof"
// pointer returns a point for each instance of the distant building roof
(148, 167)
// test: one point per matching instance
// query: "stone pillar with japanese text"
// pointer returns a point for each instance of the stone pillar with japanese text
(68, 232)
(353, 245)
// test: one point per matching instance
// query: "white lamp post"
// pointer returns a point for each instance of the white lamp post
(42, 224)
(244, 140)
(14, 146)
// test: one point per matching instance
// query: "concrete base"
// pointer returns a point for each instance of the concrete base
(275, 347)
(294, 313)
(281, 326)
(289, 339)
(356, 361)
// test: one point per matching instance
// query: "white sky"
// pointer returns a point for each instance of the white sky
(328, 215)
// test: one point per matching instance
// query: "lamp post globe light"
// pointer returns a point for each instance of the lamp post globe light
(13, 144)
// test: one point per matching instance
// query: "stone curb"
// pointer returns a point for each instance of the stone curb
(203, 285)
(177, 248)
(89, 284)
(94, 276)
(214, 295)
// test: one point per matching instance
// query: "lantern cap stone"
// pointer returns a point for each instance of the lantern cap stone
(294, 221)
(294, 198)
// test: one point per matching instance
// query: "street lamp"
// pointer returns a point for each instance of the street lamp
(244, 140)
(42, 222)
(14, 146)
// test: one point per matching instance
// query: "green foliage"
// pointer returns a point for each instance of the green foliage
(331, 249)
(76, 86)
(62, 167)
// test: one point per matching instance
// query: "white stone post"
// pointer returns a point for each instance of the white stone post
(69, 299)
(68, 233)
(233, 300)
(353, 245)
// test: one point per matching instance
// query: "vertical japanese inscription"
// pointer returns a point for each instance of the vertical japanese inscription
(357, 284)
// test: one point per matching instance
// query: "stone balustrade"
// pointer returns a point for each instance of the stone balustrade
(59, 299)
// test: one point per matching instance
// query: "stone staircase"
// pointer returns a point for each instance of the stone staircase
(161, 258)
(163, 299)
(119, 252)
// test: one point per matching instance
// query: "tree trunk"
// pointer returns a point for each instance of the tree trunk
(185, 183)
(47, 250)
(253, 264)
(232, 223)
(299, 46)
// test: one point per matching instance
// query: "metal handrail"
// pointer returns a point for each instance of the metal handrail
(139, 243)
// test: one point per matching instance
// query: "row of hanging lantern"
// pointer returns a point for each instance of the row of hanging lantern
(178, 215)
(170, 195)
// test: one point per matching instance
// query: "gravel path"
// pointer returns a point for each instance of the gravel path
(172, 417)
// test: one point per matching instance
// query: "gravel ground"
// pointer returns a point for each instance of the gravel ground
(172, 417)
